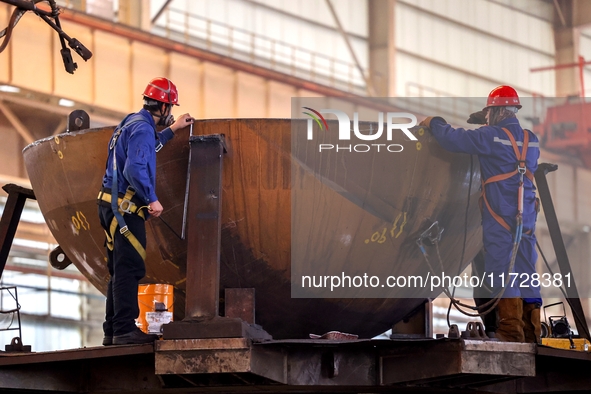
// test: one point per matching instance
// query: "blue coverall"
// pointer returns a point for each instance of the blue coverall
(496, 156)
(136, 165)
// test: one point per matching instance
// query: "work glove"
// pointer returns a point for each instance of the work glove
(478, 117)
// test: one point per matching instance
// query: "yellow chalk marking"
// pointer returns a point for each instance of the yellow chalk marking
(380, 235)
(178, 282)
(383, 237)
(394, 225)
(402, 225)
(375, 236)
(80, 221)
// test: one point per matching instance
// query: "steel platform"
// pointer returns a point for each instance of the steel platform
(304, 366)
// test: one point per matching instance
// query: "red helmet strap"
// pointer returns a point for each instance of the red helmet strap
(165, 117)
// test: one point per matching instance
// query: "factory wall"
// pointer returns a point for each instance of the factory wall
(464, 48)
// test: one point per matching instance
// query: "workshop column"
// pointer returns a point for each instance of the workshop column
(382, 48)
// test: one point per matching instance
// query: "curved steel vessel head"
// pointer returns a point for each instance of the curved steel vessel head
(423, 185)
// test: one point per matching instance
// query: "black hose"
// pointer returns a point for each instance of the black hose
(465, 233)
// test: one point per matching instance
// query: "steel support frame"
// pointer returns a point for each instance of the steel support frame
(204, 237)
(204, 227)
(417, 324)
(304, 366)
(572, 294)
(17, 196)
(368, 363)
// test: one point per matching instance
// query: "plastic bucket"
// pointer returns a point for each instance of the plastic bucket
(152, 299)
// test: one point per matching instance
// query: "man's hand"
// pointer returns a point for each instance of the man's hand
(183, 121)
(426, 122)
(155, 208)
(478, 117)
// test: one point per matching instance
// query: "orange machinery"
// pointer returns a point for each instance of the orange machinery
(566, 128)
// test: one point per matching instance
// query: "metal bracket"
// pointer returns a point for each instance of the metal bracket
(432, 234)
(78, 120)
(58, 258)
(16, 345)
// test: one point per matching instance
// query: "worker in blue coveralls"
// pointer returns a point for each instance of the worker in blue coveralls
(131, 170)
(508, 157)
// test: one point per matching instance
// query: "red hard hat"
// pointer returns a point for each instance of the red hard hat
(163, 90)
(503, 96)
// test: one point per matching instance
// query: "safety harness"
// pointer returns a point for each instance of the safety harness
(125, 205)
(122, 206)
(520, 169)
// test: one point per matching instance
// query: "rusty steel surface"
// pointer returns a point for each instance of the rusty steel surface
(427, 184)
(240, 303)
(74, 354)
(217, 327)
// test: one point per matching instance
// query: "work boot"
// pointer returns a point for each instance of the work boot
(510, 320)
(137, 336)
(532, 328)
(107, 340)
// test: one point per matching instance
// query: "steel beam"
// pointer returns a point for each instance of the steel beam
(343, 365)
(575, 13)
(567, 51)
(571, 292)
(16, 123)
(417, 324)
(101, 369)
(204, 232)
(17, 196)
(198, 356)
(160, 12)
(208, 56)
(303, 366)
(581, 13)
(368, 84)
(382, 48)
(204, 227)
(457, 361)
(570, 17)
(44, 102)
